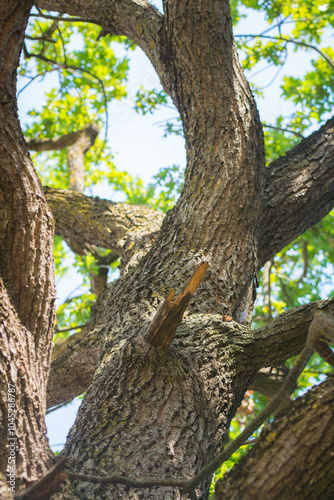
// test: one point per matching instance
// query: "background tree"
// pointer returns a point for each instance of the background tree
(161, 411)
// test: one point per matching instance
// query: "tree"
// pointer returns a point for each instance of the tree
(161, 393)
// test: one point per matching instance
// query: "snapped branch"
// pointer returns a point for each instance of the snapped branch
(169, 316)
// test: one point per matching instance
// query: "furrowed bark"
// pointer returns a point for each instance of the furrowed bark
(22, 388)
(27, 291)
(299, 191)
(287, 333)
(128, 230)
(299, 444)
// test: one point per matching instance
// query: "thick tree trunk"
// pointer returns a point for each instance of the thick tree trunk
(149, 411)
(165, 414)
(27, 291)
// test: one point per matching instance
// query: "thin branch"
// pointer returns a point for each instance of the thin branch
(276, 74)
(296, 42)
(33, 78)
(39, 38)
(289, 130)
(305, 261)
(46, 486)
(69, 328)
(65, 19)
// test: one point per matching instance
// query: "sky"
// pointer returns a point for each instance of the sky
(139, 148)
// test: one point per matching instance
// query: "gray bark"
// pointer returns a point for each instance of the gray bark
(149, 411)
(297, 445)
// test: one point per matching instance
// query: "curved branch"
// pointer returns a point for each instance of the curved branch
(136, 19)
(299, 191)
(287, 333)
(72, 371)
(281, 129)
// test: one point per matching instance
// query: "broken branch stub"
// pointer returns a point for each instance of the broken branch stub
(169, 315)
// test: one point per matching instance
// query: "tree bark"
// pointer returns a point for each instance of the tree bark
(149, 411)
(297, 445)
(27, 291)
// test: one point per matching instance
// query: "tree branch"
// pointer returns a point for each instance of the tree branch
(88, 134)
(120, 227)
(136, 19)
(287, 333)
(297, 445)
(189, 485)
(72, 371)
(299, 191)
(44, 488)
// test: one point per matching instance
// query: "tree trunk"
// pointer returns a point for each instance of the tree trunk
(149, 411)
(27, 291)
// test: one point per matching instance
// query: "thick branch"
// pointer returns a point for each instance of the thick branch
(299, 191)
(78, 143)
(285, 337)
(116, 226)
(88, 133)
(72, 371)
(44, 488)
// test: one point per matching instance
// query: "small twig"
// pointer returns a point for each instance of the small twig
(69, 328)
(54, 408)
(39, 38)
(284, 130)
(296, 42)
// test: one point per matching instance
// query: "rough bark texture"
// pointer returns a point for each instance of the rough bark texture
(299, 191)
(271, 345)
(149, 411)
(293, 458)
(127, 229)
(26, 270)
